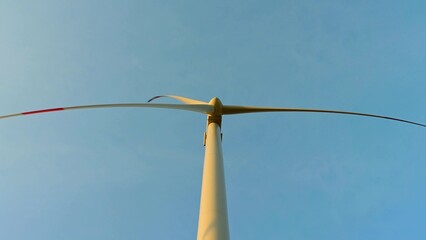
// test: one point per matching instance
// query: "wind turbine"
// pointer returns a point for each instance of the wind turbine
(213, 215)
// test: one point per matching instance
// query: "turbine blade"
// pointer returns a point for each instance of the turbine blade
(179, 98)
(248, 109)
(200, 108)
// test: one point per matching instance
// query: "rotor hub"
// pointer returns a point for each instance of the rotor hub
(216, 116)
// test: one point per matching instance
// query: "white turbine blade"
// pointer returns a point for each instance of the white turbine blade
(248, 109)
(179, 98)
(200, 108)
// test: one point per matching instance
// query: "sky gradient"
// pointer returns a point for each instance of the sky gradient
(136, 173)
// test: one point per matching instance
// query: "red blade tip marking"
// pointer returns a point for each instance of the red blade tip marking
(43, 111)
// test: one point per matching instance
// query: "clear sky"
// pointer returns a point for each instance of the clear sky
(136, 173)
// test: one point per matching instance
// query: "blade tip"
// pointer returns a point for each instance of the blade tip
(153, 98)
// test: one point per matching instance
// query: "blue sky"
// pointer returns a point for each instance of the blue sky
(136, 173)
